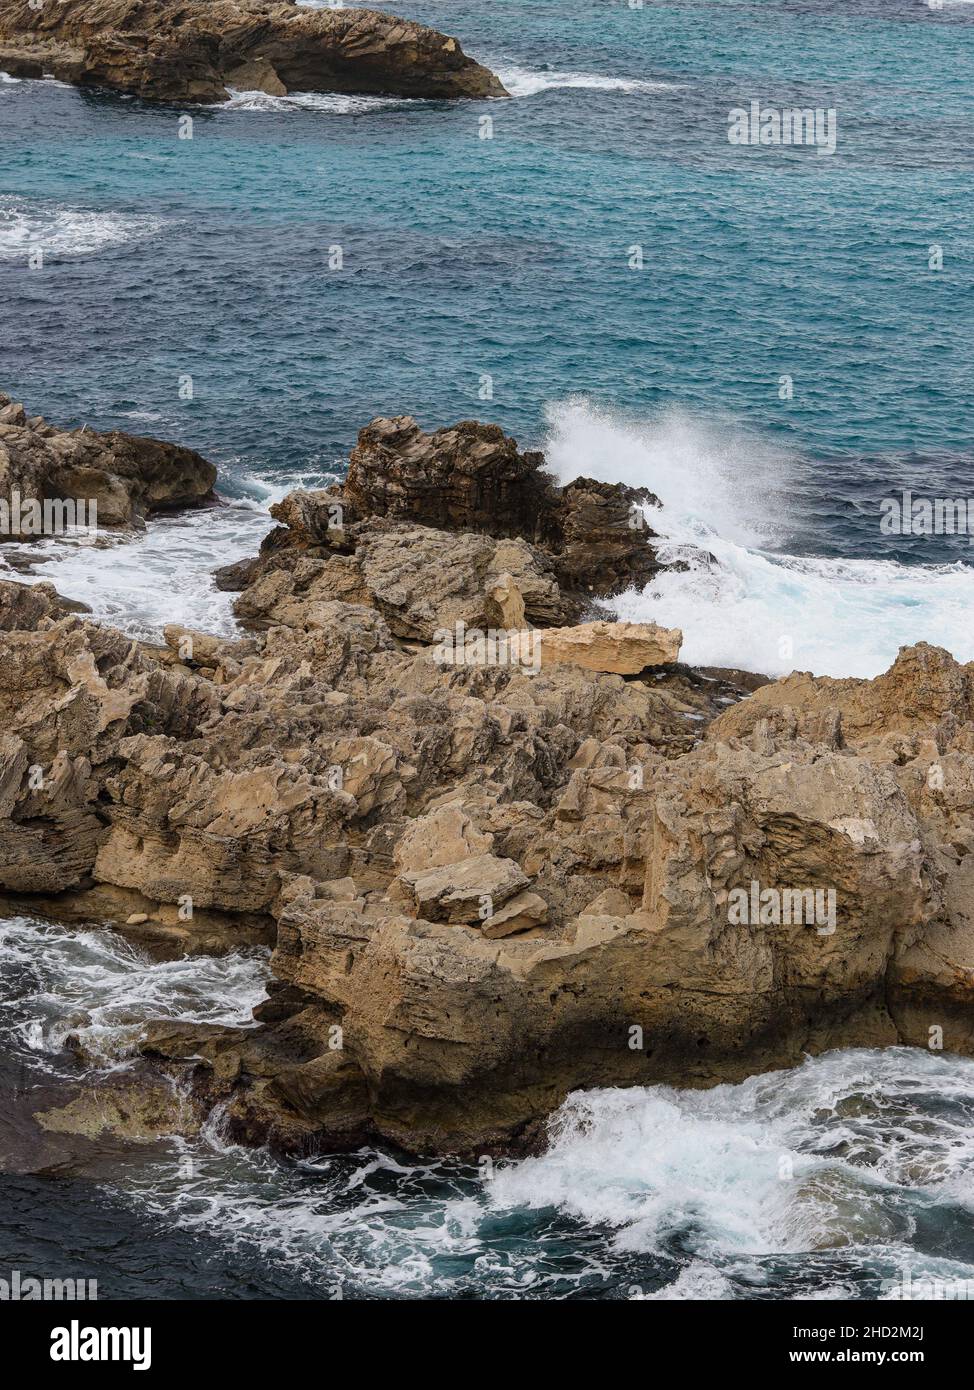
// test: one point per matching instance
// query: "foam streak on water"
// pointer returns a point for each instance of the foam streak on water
(96, 985)
(330, 103)
(60, 232)
(529, 82)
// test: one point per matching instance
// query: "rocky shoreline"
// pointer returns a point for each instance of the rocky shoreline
(194, 50)
(492, 871)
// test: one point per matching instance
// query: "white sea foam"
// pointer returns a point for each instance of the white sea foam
(60, 231)
(47, 79)
(163, 574)
(797, 1161)
(529, 82)
(699, 1280)
(776, 1187)
(332, 103)
(722, 495)
(95, 984)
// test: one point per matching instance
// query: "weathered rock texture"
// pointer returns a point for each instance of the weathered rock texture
(624, 648)
(472, 477)
(193, 50)
(127, 476)
(486, 886)
(454, 526)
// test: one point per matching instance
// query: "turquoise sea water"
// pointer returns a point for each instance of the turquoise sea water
(509, 258)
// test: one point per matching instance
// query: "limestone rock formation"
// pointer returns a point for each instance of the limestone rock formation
(456, 527)
(194, 50)
(486, 883)
(473, 477)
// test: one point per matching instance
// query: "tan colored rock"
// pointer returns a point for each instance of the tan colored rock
(138, 1111)
(424, 581)
(256, 75)
(622, 648)
(520, 913)
(197, 647)
(924, 694)
(449, 860)
(611, 902)
(467, 891)
(440, 837)
(506, 604)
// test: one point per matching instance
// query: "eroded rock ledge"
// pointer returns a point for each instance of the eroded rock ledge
(485, 885)
(128, 477)
(193, 50)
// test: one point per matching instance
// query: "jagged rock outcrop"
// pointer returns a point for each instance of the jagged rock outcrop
(421, 580)
(453, 527)
(126, 476)
(497, 886)
(323, 762)
(194, 50)
(473, 477)
(488, 881)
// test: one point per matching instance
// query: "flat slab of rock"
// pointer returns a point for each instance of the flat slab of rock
(521, 913)
(622, 648)
(469, 891)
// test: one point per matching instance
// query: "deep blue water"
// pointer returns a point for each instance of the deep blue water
(509, 256)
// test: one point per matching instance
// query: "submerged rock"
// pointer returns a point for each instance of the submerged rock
(194, 50)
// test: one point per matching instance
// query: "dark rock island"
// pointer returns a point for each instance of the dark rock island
(194, 50)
